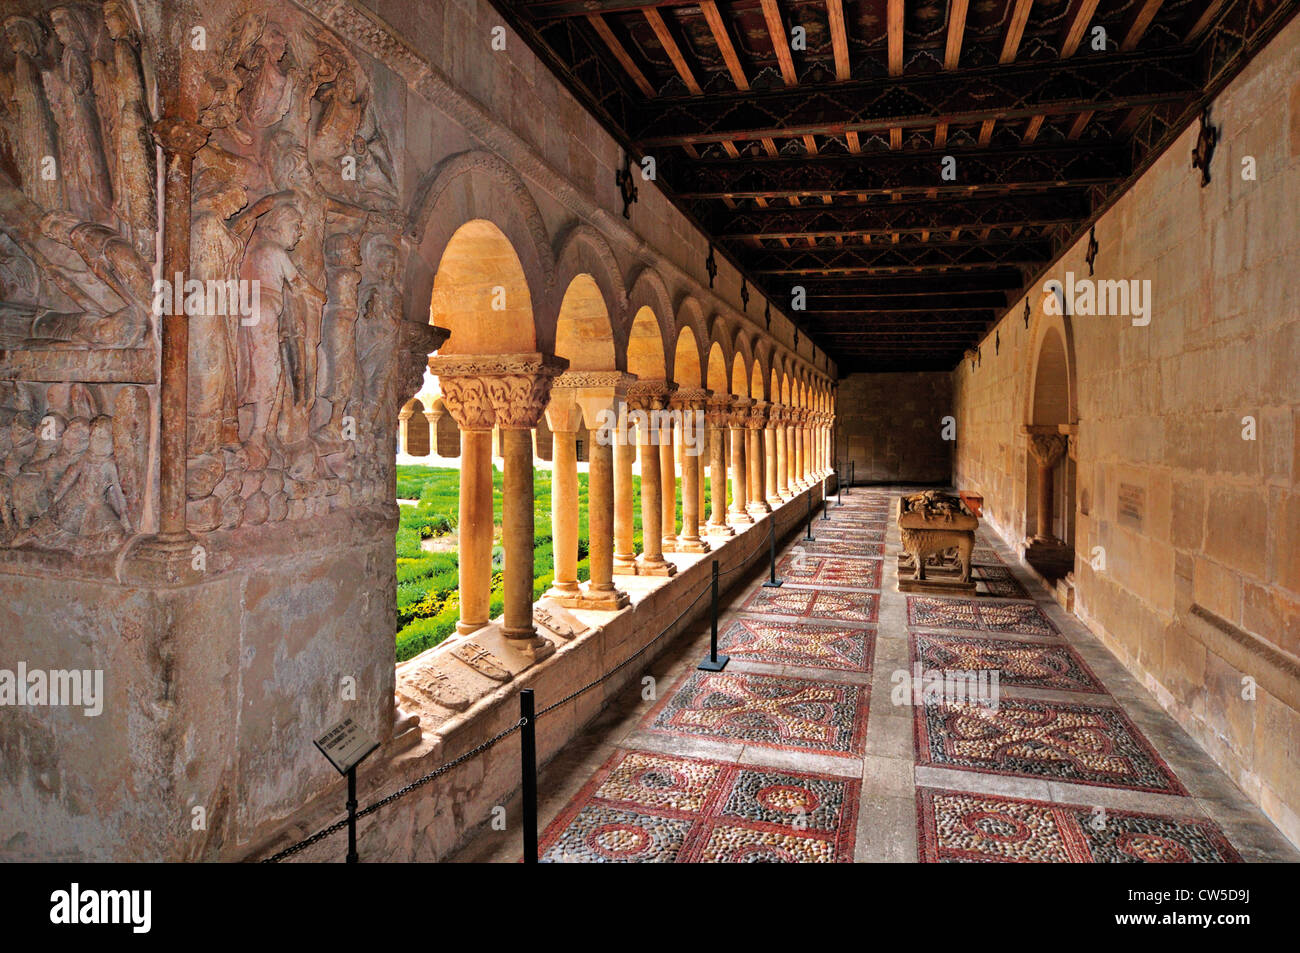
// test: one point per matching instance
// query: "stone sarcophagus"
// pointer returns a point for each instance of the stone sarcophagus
(937, 531)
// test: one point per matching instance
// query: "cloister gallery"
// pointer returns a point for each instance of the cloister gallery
(966, 326)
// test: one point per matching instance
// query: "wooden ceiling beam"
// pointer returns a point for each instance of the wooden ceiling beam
(670, 47)
(1015, 31)
(956, 30)
(722, 37)
(625, 60)
(894, 29)
(1076, 27)
(839, 38)
(1137, 25)
(780, 42)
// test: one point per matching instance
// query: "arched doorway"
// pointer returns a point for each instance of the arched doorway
(1049, 464)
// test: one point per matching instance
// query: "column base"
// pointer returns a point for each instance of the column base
(720, 529)
(465, 628)
(739, 518)
(561, 591)
(693, 546)
(759, 510)
(774, 502)
(668, 544)
(660, 567)
(625, 565)
(602, 600)
(164, 560)
(528, 643)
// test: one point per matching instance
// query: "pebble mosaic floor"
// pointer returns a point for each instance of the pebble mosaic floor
(858, 723)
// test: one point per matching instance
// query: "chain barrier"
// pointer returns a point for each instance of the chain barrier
(500, 736)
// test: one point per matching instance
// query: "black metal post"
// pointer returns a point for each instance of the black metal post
(839, 491)
(715, 662)
(528, 786)
(810, 538)
(826, 513)
(772, 582)
(851, 463)
(352, 815)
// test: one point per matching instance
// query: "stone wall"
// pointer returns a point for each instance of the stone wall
(891, 427)
(1199, 529)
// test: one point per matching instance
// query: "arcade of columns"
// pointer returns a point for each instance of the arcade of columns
(771, 451)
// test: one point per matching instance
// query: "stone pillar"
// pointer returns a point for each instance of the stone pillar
(718, 417)
(564, 417)
(646, 398)
(796, 429)
(702, 439)
(1046, 448)
(757, 420)
(517, 388)
(470, 406)
(668, 481)
(769, 458)
(624, 455)
(782, 465)
(738, 513)
(600, 395)
(692, 435)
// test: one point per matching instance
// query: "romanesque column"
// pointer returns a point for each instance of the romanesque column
(692, 436)
(782, 466)
(718, 416)
(769, 458)
(758, 506)
(668, 480)
(738, 514)
(600, 395)
(1046, 448)
(469, 404)
(624, 455)
(796, 428)
(647, 400)
(564, 417)
(790, 456)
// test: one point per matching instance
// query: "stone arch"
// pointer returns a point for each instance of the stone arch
(690, 314)
(481, 293)
(1050, 422)
(717, 374)
(584, 332)
(646, 352)
(446, 432)
(688, 371)
(582, 252)
(740, 364)
(486, 191)
(413, 427)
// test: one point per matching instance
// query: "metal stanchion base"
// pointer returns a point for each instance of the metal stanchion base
(773, 585)
(709, 665)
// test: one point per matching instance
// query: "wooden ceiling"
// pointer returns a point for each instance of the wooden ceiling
(822, 167)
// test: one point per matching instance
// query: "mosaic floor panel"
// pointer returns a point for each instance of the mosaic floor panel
(793, 714)
(1077, 743)
(805, 569)
(1020, 664)
(1017, 618)
(868, 546)
(847, 647)
(790, 600)
(997, 581)
(652, 808)
(954, 826)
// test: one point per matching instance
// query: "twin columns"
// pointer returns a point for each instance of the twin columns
(775, 452)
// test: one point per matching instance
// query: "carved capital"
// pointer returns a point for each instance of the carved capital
(1047, 447)
(690, 398)
(509, 390)
(739, 417)
(758, 415)
(180, 136)
(649, 395)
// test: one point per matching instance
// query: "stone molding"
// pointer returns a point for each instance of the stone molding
(510, 391)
